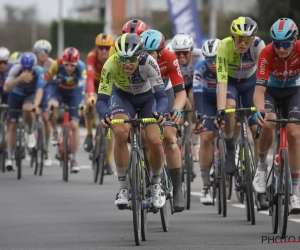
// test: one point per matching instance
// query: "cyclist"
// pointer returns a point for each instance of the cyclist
(205, 98)
(237, 57)
(70, 76)
(94, 63)
(135, 75)
(25, 82)
(188, 56)
(42, 49)
(171, 75)
(15, 57)
(278, 77)
(5, 67)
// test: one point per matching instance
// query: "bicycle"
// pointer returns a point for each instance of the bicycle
(218, 176)
(279, 191)
(37, 153)
(3, 133)
(138, 197)
(187, 158)
(245, 166)
(65, 142)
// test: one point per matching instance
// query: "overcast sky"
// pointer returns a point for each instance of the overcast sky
(47, 9)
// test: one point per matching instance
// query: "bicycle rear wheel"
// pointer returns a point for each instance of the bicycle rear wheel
(164, 209)
(102, 154)
(248, 183)
(66, 151)
(283, 192)
(222, 177)
(136, 202)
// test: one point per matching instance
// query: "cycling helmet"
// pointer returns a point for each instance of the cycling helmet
(243, 26)
(283, 29)
(27, 60)
(129, 44)
(134, 26)
(71, 54)
(153, 40)
(4, 54)
(42, 46)
(182, 42)
(15, 57)
(104, 40)
(209, 47)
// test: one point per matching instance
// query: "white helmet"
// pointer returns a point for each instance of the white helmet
(4, 54)
(209, 47)
(182, 42)
(42, 45)
(169, 47)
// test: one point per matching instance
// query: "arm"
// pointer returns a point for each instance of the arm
(90, 66)
(258, 46)
(259, 97)
(105, 87)
(39, 87)
(12, 80)
(198, 89)
(222, 75)
(51, 72)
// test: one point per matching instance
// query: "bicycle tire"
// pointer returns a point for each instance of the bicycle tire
(164, 209)
(19, 150)
(273, 209)
(283, 192)
(66, 150)
(228, 186)
(2, 147)
(40, 151)
(222, 186)
(249, 187)
(102, 155)
(96, 156)
(135, 200)
(187, 173)
(143, 198)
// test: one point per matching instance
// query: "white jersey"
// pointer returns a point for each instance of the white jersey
(47, 64)
(187, 72)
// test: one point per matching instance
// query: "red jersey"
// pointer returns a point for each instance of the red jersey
(275, 72)
(170, 70)
(94, 68)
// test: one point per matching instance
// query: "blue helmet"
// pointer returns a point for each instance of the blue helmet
(153, 40)
(28, 60)
(283, 29)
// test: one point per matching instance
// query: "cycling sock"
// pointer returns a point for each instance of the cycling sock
(122, 177)
(47, 144)
(156, 176)
(205, 175)
(10, 152)
(109, 156)
(295, 181)
(196, 139)
(89, 126)
(228, 136)
(262, 156)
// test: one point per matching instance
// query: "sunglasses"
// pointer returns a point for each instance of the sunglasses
(210, 59)
(284, 45)
(184, 52)
(69, 64)
(246, 39)
(106, 48)
(128, 59)
(42, 51)
(3, 62)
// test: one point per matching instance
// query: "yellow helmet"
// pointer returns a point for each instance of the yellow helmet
(15, 57)
(104, 40)
(243, 26)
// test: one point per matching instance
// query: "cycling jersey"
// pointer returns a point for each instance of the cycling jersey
(3, 76)
(24, 88)
(205, 81)
(94, 68)
(47, 64)
(275, 72)
(187, 71)
(231, 63)
(170, 71)
(65, 81)
(111, 51)
(145, 78)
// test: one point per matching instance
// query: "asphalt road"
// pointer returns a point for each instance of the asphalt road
(47, 213)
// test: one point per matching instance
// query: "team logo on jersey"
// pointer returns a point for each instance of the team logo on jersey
(262, 67)
(154, 66)
(286, 73)
(294, 62)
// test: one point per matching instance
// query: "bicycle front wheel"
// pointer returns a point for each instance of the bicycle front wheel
(102, 154)
(187, 173)
(136, 201)
(96, 155)
(39, 150)
(222, 177)
(283, 192)
(19, 152)
(164, 209)
(2, 146)
(66, 151)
